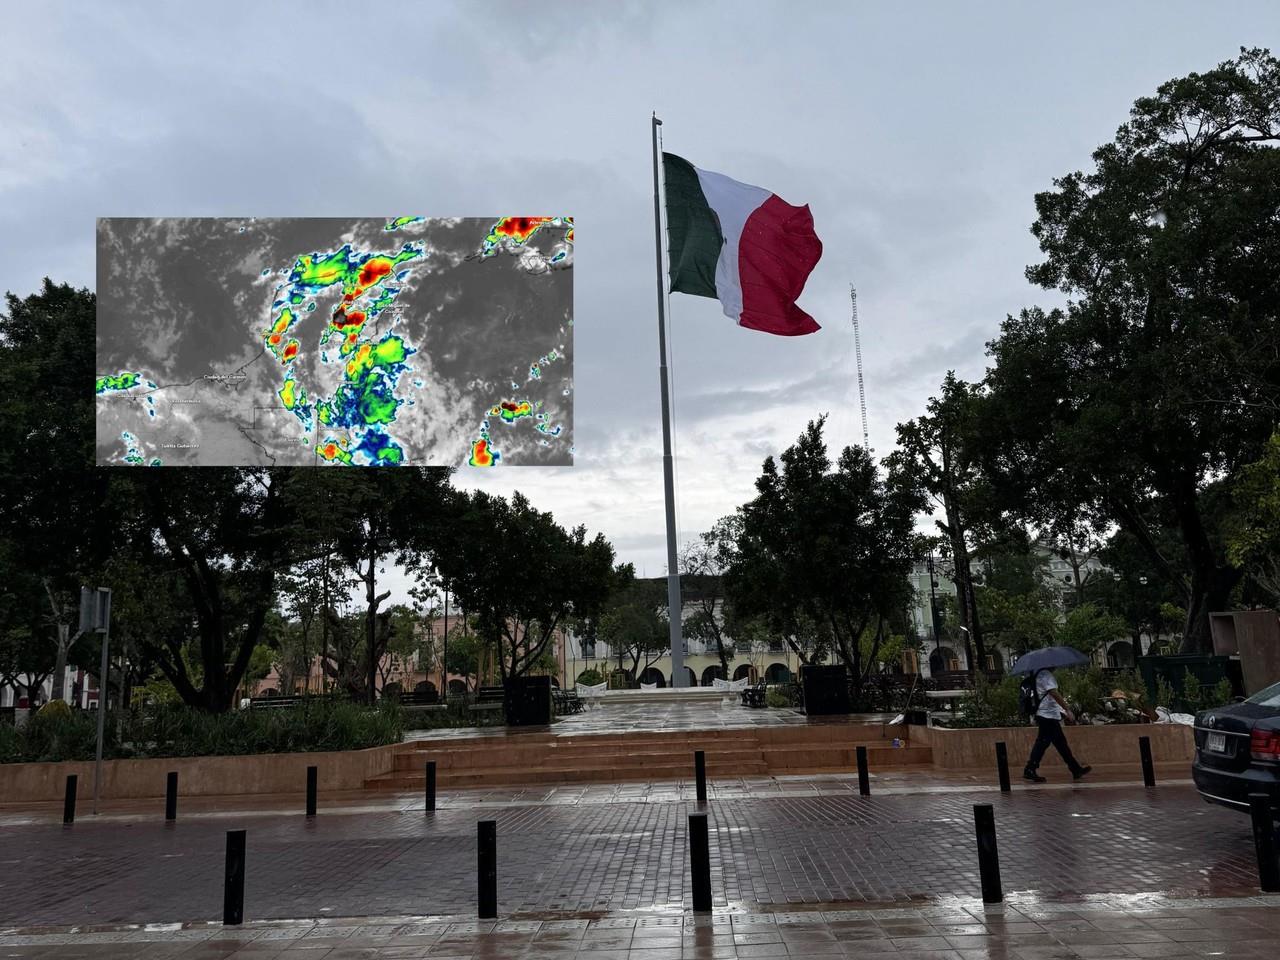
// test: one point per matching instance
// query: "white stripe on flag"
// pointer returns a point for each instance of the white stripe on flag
(733, 202)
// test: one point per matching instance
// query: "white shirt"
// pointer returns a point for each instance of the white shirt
(1049, 708)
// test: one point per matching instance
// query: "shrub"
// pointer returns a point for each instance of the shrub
(55, 708)
(169, 730)
(60, 735)
(9, 744)
(776, 698)
(990, 704)
(1222, 693)
(590, 677)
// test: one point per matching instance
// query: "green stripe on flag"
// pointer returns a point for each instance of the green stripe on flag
(693, 231)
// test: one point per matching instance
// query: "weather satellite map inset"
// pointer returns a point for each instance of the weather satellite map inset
(353, 342)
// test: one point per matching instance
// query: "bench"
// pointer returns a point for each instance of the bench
(753, 695)
(489, 698)
(566, 701)
(425, 699)
(274, 703)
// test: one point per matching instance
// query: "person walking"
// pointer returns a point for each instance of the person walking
(1049, 713)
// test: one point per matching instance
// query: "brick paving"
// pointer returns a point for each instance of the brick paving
(1130, 927)
(767, 851)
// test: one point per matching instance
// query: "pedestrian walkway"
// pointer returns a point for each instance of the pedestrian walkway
(960, 929)
(767, 852)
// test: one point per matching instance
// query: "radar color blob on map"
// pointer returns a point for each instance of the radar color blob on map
(510, 411)
(119, 381)
(332, 451)
(482, 456)
(516, 231)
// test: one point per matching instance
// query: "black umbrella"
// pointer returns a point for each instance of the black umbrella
(1049, 658)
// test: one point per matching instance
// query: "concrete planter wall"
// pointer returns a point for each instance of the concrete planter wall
(965, 749)
(197, 776)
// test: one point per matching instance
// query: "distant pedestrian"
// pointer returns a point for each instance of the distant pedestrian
(1040, 693)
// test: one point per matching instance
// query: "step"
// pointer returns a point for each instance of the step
(807, 760)
(481, 778)
(515, 758)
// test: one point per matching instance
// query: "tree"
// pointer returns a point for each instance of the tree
(1254, 538)
(365, 519)
(702, 566)
(522, 575)
(199, 552)
(934, 453)
(308, 590)
(46, 359)
(634, 625)
(1158, 380)
(832, 546)
(1088, 628)
(464, 656)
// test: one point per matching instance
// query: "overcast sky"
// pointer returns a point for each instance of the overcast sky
(918, 133)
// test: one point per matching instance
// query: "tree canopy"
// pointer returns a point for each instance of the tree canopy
(1158, 378)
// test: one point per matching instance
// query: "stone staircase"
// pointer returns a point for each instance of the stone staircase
(545, 758)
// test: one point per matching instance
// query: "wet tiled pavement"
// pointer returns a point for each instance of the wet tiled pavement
(959, 929)
(789, 848)
(663, 714)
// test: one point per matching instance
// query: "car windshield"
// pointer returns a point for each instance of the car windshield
(1269, 697)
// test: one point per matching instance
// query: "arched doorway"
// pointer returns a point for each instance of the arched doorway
(712, 673)
(457, 686)
(777, 673)
(424, 686)
(1120, 654)
(653, 675)
(745, 670)
(690, 678)
(392, 691)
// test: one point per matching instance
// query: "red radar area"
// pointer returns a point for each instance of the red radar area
(519, 228)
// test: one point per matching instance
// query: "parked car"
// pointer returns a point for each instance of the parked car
(1238, 751)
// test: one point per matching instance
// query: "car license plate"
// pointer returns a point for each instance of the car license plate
(1216, 743)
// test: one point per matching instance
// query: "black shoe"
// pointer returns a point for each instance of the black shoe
(1033, 776)
(1081, 772)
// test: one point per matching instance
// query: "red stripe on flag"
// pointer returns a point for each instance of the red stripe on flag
(776, 254)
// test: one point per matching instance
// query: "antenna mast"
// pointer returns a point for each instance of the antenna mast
(857, 346)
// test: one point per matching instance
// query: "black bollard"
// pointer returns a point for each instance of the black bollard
(1002, 765)
(431, 786)
(69, 800)
(984, 822)
(312, 777)
(1264, 843)
(700, 862)
(487, 867)
(233, 887)
(864, 779)
(1148, 768)
(171, 797)
(700, 775)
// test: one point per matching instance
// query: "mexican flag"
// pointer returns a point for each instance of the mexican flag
(741, 245)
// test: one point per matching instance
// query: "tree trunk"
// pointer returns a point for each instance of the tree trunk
(1210, 593)
(1211, 583)
(60, 663)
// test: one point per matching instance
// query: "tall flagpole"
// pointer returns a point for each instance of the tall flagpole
(674, 606)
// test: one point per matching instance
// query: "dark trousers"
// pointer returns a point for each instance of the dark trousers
(1051, 733)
